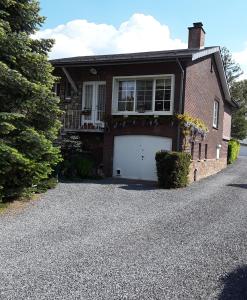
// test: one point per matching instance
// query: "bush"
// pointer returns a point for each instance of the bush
(46, 184)
(233, 151)
(77, 166)
(172, 169)
(26, 159)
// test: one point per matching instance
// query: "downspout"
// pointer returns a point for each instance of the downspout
(180, 106)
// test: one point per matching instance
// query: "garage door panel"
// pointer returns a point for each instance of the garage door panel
(134, 155)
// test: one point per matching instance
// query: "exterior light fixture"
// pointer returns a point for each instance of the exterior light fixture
(93, 71)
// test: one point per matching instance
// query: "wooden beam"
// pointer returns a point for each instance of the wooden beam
(70, 80)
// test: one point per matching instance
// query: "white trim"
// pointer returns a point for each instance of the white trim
(115, 80)
(205, 52)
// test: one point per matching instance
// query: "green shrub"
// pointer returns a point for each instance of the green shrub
(84, 167)
(46, 184)
(233, 151)
(77, 166)
(26, 158)
(172, 169)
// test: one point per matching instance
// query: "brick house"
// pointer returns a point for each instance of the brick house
(122, 106)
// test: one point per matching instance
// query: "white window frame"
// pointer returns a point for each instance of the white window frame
(115, 86)
(216, 114)
(95, 85)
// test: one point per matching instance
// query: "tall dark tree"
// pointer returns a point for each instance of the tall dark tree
(29, 110)
(238, 92)
(239, 121)
(232, 69)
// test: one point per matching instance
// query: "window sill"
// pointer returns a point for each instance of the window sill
(215, 127)
(131, 113)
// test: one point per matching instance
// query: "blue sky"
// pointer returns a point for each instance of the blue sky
(225, 22)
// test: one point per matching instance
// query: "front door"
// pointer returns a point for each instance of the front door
(93, 102)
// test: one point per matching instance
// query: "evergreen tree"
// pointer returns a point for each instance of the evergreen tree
(29, 111)
(232, 69)
(238, 91)
(239, 117)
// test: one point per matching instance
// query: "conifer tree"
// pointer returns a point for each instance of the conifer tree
(29, 111)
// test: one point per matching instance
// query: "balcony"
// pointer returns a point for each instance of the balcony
(79, 121)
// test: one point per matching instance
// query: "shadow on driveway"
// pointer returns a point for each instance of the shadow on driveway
(125, 184)
(235, 285)
(240, 185)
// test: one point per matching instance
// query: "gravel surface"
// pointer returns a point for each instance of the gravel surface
(123, 240)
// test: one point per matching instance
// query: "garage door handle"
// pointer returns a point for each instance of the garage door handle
(142, 157)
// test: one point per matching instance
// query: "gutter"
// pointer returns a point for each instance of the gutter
(180, 107)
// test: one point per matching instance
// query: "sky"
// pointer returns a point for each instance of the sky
(87, 27)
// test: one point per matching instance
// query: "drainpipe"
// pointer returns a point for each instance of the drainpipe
(180, 107)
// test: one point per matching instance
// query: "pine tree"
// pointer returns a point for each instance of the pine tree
(232, 69)
(239, 117)
(238, 91)
(29, 111)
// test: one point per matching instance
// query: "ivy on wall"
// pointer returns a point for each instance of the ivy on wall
(192, 128)
(114, 122)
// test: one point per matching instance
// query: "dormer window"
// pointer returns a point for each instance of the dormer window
(143, 94)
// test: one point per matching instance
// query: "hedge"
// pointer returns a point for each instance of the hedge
(172, 169)
(233, 151)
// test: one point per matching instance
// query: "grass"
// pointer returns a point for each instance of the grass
(31, 194)
(3, 207)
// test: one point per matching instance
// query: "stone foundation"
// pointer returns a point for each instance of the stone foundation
(204, 168)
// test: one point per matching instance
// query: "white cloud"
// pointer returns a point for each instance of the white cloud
(241, 58)
(139, 33)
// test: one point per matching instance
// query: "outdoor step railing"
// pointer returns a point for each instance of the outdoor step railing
(77, 120)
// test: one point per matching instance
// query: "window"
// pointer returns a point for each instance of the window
(206, 151)
(163, 94)
(218, 147)
(143, 94)
(126, 95)
(200, 151)
(216, 114)
(68, 90)
(192, 150)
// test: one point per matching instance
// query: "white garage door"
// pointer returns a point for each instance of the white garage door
(134, 155)
(243, 150)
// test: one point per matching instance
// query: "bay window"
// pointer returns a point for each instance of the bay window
(143, 94)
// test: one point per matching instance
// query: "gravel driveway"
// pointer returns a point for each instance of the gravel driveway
(112, 240)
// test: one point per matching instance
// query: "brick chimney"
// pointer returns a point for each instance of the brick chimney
(196, 36)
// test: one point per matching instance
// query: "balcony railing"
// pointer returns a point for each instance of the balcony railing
(76, 120)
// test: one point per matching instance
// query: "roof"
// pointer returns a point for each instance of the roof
(128, 57)
(153, 56)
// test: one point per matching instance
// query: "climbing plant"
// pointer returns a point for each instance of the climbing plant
(192, 128)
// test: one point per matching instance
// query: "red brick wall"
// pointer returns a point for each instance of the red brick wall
(227, 122)
(202, 88)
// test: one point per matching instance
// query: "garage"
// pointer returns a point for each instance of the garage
(134, 155)
(243, 150)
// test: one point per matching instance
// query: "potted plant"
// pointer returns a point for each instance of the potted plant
(86, 111)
